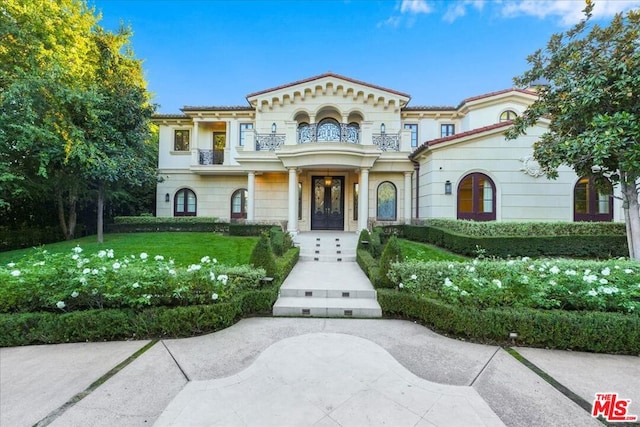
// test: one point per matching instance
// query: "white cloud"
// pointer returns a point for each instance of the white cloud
(415, 7)
(459, 9)
(569, 11)
(392, 21)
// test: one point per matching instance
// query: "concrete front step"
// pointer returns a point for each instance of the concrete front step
(328, 258)
(345, 293)
(327, 307)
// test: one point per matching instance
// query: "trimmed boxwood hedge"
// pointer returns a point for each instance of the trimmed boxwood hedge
(579, 246)
(125, 324)
(598, 332)
(146, 224)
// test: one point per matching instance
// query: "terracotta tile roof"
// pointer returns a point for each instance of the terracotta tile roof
(217, 108)
(461, 135)
(169, 116)
(430, 108)
(310, 79)
(500, 92)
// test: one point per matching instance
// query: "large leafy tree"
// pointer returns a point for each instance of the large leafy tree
(74, 109)
(592, 102)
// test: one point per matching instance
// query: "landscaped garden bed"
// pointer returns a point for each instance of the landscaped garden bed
(555, 303)
(73, 294)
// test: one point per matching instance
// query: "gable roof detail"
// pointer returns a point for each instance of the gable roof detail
(489, 95)
(321, 76)
(328, 84)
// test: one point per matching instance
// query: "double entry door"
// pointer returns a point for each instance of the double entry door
(327, 203)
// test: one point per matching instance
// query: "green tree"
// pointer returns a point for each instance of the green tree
(592, 104)
(74, 109)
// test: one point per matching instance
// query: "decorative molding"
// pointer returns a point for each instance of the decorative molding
(531, 167)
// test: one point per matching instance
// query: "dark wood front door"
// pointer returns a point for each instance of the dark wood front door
(327, 204)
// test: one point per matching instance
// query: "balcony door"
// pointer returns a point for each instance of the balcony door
(327, 204)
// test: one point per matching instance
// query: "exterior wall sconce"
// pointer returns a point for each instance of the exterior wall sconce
(167, 197)
(328, 181)
(447, 187)
(273, 128)
(382, 128)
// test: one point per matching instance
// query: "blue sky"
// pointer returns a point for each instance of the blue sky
(204, 52)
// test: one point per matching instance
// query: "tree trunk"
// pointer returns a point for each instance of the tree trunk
(61, 217)
(100, 219)
(73, 216)
(632, 218)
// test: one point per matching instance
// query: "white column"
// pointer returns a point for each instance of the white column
(292, 223)
(195, 154)
(407, 197)
(251, 197)
(363, 200)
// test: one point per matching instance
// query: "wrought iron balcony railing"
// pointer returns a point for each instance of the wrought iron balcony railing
(269, 141)
(387, 141)
(328, 132)
(210, 157)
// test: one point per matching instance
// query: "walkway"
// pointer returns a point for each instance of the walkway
(303, 371)
(327, 281)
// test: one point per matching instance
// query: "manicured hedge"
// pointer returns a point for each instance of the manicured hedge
(243, 229)
(140, 224)
(527, 228)
(599, 332)
(145, 224)
(580, 246)
(11, 239)
(124, 324)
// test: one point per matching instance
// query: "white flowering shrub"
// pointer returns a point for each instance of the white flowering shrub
(546, 283)
(79, 281)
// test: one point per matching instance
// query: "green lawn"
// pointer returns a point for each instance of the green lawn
(424, 252)
(184, 247)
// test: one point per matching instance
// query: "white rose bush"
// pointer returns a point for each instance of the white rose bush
(572, 285)
(80, 281)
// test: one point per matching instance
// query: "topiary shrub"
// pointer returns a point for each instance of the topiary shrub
(375, 245)
(281, 242)
(391, 253)
(262, 256)
(364, 237)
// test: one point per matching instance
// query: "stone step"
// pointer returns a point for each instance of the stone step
(345, 293)
(328, 258)
(327, 307)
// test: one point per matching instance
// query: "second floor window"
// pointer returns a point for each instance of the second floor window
(508, 115)
(244, 128)
(447, 130)
(414, 133)
(181, 140)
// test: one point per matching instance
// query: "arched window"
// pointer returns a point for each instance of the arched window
(239, 204)
(387, 202)
(304, 133)
(353, 129)
(508, 115)
(328, 130)
(477, 198)
(184, 203)
(591, 205)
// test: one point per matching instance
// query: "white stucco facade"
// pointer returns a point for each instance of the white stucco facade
(331, 152)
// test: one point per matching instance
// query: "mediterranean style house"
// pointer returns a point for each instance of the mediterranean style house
(333, 153)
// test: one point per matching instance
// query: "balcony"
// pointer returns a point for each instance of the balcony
(269, 141)
(328, 132)
(210, 157)
(386, 141)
